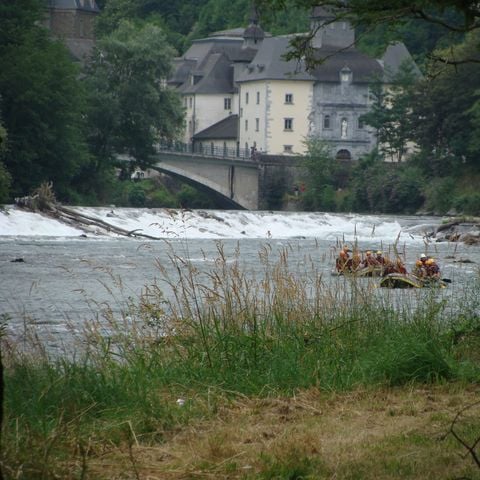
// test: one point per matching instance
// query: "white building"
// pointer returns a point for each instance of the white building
(274, 104)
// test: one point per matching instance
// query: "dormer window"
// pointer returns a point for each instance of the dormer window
(345, 75)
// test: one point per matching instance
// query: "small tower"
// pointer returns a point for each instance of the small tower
(72, 21)
(254, 34)
(330, 33)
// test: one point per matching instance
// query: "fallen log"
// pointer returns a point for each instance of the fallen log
(87, 220)
(74, 218)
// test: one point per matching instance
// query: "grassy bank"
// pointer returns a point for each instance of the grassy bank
(280, 377)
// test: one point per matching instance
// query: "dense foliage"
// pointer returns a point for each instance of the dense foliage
(41, 103)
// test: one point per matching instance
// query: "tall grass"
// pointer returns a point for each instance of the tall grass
(217, 334)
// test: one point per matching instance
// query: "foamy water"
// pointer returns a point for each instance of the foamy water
(219, 224)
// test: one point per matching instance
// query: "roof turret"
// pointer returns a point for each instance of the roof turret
(253, 33)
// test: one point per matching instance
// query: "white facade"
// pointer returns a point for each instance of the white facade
(204, 110)
(275, 115)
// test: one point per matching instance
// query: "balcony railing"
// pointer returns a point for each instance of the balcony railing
(209, 150)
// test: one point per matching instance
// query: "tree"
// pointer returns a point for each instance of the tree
(320, 167)
(383, 187)
(41, 103)
(130, 106)
(370, 14)
(390, 112)
(5, 178)
(177, 18)
(443, 122)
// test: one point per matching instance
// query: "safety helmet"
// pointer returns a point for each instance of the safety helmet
(430, 261)
(379, 252)
(368, 252)
(423, 255)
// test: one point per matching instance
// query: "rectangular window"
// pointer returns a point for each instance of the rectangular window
(190, 102)
(326, 122)
(246, 98)
(258, 98)
(246, 125)
(288, 148)
(227, 103)
(360, 124)
(288, 123)
(288, 98)
(257, 124)
(241, 112)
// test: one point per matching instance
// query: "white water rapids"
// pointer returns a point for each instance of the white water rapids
(223, 224)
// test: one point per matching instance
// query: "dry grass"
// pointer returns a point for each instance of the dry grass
(380, 434)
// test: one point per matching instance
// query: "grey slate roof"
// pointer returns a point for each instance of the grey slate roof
(181, 71)
(89, 5)
(226, 128)
(210, 61)
(232, 32)
(395, 55)
(364, 68)
(213, 75)
(322, 12)
(268, 64)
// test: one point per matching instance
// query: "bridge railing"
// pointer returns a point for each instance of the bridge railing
(208, 150)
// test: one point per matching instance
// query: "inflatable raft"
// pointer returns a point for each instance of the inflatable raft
(361, 272)
(407, 280)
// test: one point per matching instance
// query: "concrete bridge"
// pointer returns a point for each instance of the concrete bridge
(240, 179)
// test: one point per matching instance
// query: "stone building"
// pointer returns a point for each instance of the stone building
(206, 77)
(291, 104)
(277, 104)
(72, 21)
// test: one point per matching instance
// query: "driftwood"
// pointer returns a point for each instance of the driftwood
(446, 226)
(71, 217)
(76, 218)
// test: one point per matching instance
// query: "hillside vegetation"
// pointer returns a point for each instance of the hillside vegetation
(68, 124)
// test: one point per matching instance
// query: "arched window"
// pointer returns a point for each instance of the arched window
(344, 128)
(344, 155)
(326, 122)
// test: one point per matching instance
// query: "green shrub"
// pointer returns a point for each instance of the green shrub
(136, 196)
(468, 203)
(438, 195)
(5, 182)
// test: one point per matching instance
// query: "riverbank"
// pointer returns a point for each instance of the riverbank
(399, 433)
(278, 377)
(364, 434)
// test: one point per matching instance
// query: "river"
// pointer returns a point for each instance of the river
(54, 277)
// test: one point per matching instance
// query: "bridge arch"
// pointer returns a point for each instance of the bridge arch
(235, 182)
